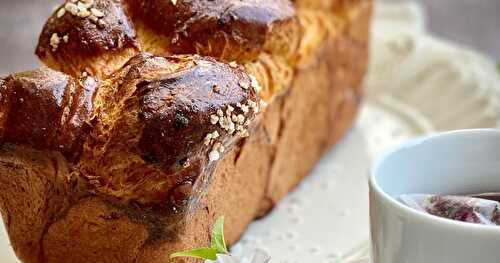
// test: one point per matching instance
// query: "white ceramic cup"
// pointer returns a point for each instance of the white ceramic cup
(459, 162)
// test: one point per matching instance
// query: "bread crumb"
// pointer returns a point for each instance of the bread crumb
(83, 12)
(233, 64)
(216, 152)
(84, 9)
(54, 41)
(101, 22)
(231, 127)
(213, 156)
(244, 108)
(214, 119)
(243, 84)
(71, 8)
(208, 139)
(253, 106)
(94, 19)
(240, 119)
(219, 148)
(61, 12)
(97, 13)
(255, 84)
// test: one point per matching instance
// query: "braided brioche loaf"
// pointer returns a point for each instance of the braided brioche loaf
(155, 117)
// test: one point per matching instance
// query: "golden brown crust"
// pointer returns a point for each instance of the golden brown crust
(47, 110)
(131, 195)
(146, 136)
(264, 161)
(225, 29)
(189, 98)
(80, 38)
(149, 142)
(35, 187)
(162, 117)
(230, 30)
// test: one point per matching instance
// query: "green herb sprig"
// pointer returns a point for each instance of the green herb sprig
(218, 245)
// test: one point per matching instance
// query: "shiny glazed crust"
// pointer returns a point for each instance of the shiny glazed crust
(76, 41)
(225, 29)
(132, 156)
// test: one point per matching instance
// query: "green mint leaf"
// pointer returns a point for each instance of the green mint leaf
(202, 253)
(218, 242)
(208, 253)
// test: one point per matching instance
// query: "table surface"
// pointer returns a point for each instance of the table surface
(474, 23)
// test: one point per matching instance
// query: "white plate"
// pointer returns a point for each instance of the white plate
(416, 85)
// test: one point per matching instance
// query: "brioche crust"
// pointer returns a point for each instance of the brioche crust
(141, 135)
(228, 30)
(47, 110)
(155, 148)
(153, 118)
(225, 29)
(74, 40)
